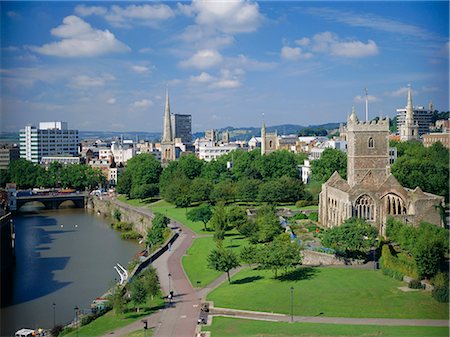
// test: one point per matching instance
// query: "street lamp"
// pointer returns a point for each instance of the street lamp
(54, 305)
(145, 327)
(292, 304)
(169, 282)
(76, 317)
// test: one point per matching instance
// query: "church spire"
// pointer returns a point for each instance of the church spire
(167, 131)
(263, 136)
(409, 108)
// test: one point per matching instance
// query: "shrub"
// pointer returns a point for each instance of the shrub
(123, 226)
(440, 280)
(397, 265)
(415, 284)
(303, 203)
(440, 294)
(130, 235)
(314, 216)
(56, 330)
(299, 216)
(117, 214)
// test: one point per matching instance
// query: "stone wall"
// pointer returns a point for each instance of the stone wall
(105, 206)
(312, 258)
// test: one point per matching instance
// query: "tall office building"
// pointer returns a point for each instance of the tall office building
(50, 139)
(182, 127)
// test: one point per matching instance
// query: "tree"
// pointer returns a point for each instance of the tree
(202, 213)
(236, 217)
(24, 173)
(330, 161)
(151, 281)
(355, 237)
(247, 189)
(138, 292)
(183, 201)
(118, 301)
(144, 191)
(223, 260)
(155, 235)
(251, 254)
(280, 254)
(190, 166)
(177, 187)
(281, 189)
(224, 191)
(200, 189)
(219, 221)
(427, 168)
(278, 164)
(124, 183)
(268, 224)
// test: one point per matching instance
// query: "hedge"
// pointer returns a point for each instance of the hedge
(394, 264)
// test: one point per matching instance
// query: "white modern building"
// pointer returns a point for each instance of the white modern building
(212, 152)
(49, 139)
(122, 152)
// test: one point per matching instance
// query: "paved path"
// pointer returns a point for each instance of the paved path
(265, 316)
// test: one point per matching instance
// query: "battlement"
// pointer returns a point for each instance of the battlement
(353, 124)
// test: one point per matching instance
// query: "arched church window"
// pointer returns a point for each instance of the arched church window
(371, 143)
(364, 208)
(270, 144)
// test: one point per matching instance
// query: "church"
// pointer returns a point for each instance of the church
(371, 192)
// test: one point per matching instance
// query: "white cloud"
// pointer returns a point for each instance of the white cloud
(248, 63)
(90, 10)
(370, 21)
(330, 43)
(85, 81)
(142, 104)
(111, 100)
(202, 37)
(202, 78)
(228, 79)
(401, 92)
(146, 50)
(294, 53)
(354, 49)
(79, 39)
(143, 14)
(303, 41)
(141, 69)
(359, 99)
(203, 59)
(231, 17)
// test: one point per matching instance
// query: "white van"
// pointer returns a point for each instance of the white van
(25, 333)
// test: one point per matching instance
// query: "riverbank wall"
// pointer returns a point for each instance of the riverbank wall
(140, 219)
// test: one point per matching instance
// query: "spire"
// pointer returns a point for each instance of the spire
(263, 137)
(367, 105)
(353, 116)
(167, 131)
(409, 107)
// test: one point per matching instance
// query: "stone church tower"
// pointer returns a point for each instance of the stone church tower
(269, 141)
(368, 149)
(167, 141)
(409, 130)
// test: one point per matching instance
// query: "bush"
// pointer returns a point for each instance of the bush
(397, 265)
(314, 216)
(303, 203)
(55, 331)
(440, 294)
(130, 235)
(123, 226)
(299, 216)
(440, 280)
(415, 284)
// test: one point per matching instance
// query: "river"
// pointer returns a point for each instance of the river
(64, 256)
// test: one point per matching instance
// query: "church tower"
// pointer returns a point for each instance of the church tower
(167, 141)
(410, 129)
(368, 150)
(269, 141)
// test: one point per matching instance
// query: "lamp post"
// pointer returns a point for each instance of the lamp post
(54, 321)
(292, 304)
(169, 282)
(145, 327)
(76, 317)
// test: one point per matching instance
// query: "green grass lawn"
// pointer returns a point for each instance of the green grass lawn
(140, 333)
(135, 202)
(338, 292)
(234, 327)
(195, 260)
(177, 214)
(110, 321)
(305, 208)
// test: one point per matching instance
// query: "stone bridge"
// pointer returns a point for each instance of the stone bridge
(53, 200)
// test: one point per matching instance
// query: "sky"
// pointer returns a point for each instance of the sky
(107, 65)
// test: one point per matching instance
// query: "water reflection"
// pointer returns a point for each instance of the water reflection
(64, 256)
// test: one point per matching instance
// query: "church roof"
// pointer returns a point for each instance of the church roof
(336, 181)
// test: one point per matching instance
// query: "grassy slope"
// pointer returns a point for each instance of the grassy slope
(339, 292)
(110, 321)
(233, 327)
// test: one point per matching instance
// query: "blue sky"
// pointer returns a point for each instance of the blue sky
(106, 65)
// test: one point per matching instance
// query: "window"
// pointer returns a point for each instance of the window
(364, 208)
(371, 143)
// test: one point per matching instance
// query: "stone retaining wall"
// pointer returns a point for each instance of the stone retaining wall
(312, 258)
(139, 219)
